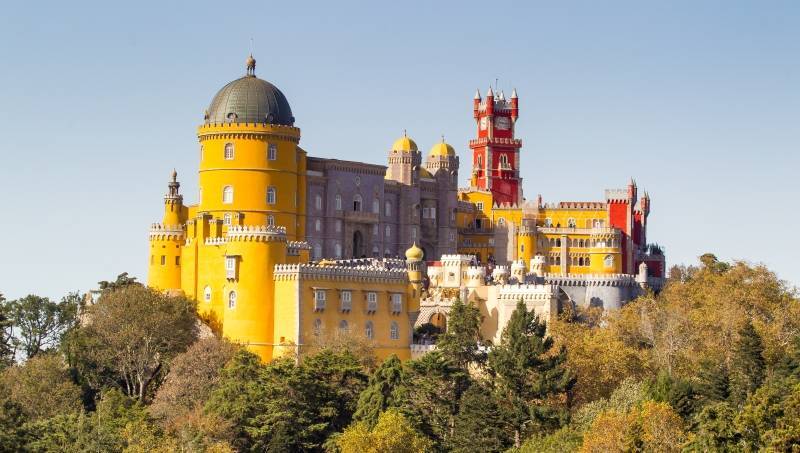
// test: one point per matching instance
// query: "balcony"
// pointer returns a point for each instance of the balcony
(361, 217)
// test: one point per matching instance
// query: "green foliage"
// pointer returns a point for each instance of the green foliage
(6, 334)
(42, 387)
(39, 323)
(629, 394)
(121, 281)
(564, 440)
(748, 364)
(381, 392)
(530, 377)
(677, 392)
(480, 424)
(462, 343)
(713, 382)
(12, 419)
(714, 429)
(392, 433)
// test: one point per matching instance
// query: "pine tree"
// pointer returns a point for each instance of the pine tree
(381, 392)
(479, 425)
(748, 364)
(462, 343)
(529, 375)
(714, 382)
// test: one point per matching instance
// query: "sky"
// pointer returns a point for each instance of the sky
(697, 100)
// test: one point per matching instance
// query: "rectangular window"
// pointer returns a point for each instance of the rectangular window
(479, 205)
(347, 300)
(163, 260)
(271, 196)
(397, 303)
(372, 302)
(272, 151)
(177, 260)
(319, 299)
(230, 267)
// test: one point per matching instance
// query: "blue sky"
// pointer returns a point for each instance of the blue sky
(698, 100)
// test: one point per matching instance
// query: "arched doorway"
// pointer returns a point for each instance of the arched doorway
(439, 320)
(358, 245)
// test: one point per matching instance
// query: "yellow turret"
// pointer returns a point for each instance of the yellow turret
(166, 239)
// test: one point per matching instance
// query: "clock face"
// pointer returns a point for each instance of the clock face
(502, 122)
(483, 123)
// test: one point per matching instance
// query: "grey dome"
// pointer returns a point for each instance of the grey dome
(250, 100)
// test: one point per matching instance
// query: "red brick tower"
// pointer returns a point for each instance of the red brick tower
(495, 152)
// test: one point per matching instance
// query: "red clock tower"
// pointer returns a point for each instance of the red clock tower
(495, 152)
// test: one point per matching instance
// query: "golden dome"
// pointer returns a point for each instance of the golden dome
(404, 143)
(442, 149)
(415, 253)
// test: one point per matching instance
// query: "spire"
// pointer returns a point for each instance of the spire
(501, 96)
(173, 186)
(477, 95)
(514, 93)
(251, 65)
(490, 93)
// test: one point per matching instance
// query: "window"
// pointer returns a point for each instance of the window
(480, 162)
(346, 300)
(548, 222)
(271, 220)
(338, 226)
(319, 299)
(338, 202)
(337, 250)
(232, 299)
(230, 267)
(229, 151)
(387, 209)
(317, 251)
(272, 151)
(271, 195)
(608, 261)
(207, 294)
(558, 242)
(177, 260)
(394, 331)
(317, 327)
(343, 327)
(397, 303)
(372, 302)
(163, 260)
(318, 202)
(357, 203)
(226, 219)
(227, 194)
(318, 225)
(376, 206)
(369, 332)
(452, 236)
(479, 205)
(388, 231)
(504, 161)
(571, 223)
(375, 230)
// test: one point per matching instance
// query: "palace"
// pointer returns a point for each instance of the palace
(281, 247)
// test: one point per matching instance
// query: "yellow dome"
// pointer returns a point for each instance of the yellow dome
(415, 253)
(404, 143)
(442, 149)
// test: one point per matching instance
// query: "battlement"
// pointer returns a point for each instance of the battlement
(293, 248)
(590, 279)
(166, 232)
(256, 233)
(617, 195)
(588, 205)
(526, 292)
(363, 273)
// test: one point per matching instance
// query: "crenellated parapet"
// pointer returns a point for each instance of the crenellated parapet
(162, 232)
(230, 131)
(616, 280)
(262, 233)
(365, 273)
(293, 248)
(526, 293)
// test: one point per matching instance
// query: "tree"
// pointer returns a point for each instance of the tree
(713, 382)
(122, 281)
(131, 335)
(191, 378)
(392, 433)
(462, 342)
(479, 425)
(12, 421)
(42, 387)
(39, 323)
(714, 429)
(6, 335)
(748, 364)
(530, 377)
(677, 392)
(566, 439)
(381, 392)
(651, 427)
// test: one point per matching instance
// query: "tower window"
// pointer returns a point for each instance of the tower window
(232, 299)
(227, 194)
(388, 231)
(230, 267)
(229, 151)
(271, 220)
(318, 202)
(163, 260)
(226, 218)
(413, 233)
(479, 205)
(608, 261)
(338, 202)
(271, 195)
(318, 225)
(376, 206)
(394, 331)
(317, 251)
(337, 250)
(177, 260)
(357, 203)
(207, 294)
(369, 331)
(388, 209)
(272, 151)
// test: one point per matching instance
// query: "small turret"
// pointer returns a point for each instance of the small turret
(514, 106)
(490, 101)
(414, 265)
(476, 103)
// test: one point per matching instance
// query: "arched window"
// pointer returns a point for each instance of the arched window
(229, 151)
(337, 250)
(608, 261)
(232, 299)
(338, 202)
(317, 251)
(388, 231)
(318, 225)
(227, 194)
(504, 161)
(357, 203)
(388, 209)
(376, 206)
(343, 327)
(226, 219)
(558, 242)
(271, 195)
(272, 151)
(571, 223)
(207, 294)
(317, 327)
(394, 331)
(369, 332)
(318, 202)
(271, 220)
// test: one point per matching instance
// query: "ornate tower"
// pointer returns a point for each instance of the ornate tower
(166, 239)
(495, 151)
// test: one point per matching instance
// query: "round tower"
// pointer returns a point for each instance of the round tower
(251, 167)
(415, 265)
(526, 239)
(605, 254)
(166, 239)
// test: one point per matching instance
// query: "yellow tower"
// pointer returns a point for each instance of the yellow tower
(252, 171)
(414, 264)
(166, 239)
(527, 243)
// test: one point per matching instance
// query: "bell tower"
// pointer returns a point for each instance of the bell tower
(495, 151)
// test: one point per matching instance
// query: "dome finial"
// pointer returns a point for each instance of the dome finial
(442, 138)
(174, 175)
(251, 65)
